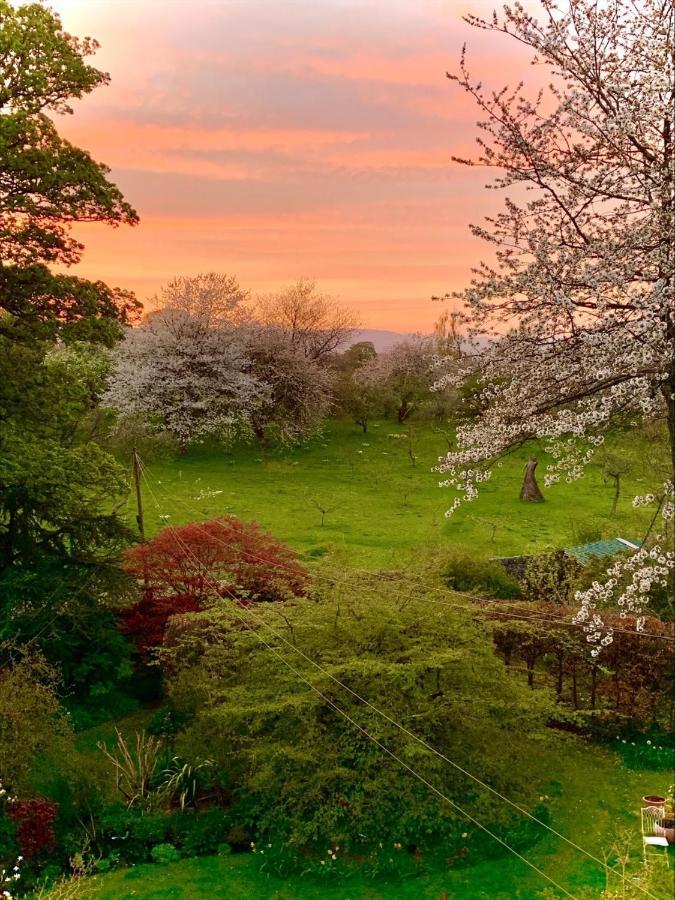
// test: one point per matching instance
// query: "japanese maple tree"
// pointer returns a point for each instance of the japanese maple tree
(183, 569)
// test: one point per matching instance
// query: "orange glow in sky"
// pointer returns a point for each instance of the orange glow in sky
(290, 139)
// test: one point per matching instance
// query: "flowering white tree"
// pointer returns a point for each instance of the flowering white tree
(402, 375)
(580, 301)
(187, 366)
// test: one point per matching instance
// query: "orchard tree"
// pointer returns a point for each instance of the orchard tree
(580, 302)
(403, 374)
(313, 322)
(298, 387)
(359, 397)
(187, 368)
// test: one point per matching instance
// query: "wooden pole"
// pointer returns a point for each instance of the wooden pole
(136, 466)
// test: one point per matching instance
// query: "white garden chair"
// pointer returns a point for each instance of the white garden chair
(650, 838)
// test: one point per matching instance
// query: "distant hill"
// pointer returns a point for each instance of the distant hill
(381, 340)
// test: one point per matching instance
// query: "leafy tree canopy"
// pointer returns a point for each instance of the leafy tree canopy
(301, 772)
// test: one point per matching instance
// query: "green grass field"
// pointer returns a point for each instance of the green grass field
(381, 510)
(381, 507)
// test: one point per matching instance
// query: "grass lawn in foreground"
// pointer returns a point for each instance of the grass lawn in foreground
(380, 506)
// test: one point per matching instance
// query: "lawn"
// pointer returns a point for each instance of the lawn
(379, 506)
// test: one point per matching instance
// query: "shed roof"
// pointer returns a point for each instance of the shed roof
(586, 553)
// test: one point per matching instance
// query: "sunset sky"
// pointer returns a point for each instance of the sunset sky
(278, 140)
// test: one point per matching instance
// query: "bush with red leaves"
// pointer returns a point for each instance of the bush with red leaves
(146, 620)
(183, 568)
(34, 825)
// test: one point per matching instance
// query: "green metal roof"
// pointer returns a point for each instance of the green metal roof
(586, 553)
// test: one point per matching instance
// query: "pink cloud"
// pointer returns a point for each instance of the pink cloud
(277, 141)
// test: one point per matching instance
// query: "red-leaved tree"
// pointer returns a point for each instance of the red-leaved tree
(184, 568)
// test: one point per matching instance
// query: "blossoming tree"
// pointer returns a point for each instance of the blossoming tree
(579, 301)
(187, 366)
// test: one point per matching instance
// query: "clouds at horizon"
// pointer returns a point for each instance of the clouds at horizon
(276, 141)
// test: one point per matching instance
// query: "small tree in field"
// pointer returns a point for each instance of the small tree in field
(358, 397)
(184, 569)
(402, 375)
(580, 303)
(298, 388)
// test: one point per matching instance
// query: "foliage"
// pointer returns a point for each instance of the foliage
(403, 375)
(183, 782)
(182, 569)
(585, 270)
(134, 768)
(466, 572)
(60, 532)
(145, 621)
(299, 770)
(633, 683)
(297, 397)
(47, 182)
(313, 323)
(56, 493)
(63, 610)
(35, 826)
(164, 853)
(550, 577)
(32, 721)
(129, 837)
(355, 396)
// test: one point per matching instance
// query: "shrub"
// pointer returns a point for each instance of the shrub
(128, 837)
(146, 620)
(34, 826)
(198, 834)
(165, 723)
(315, 779)
(132, 835)
(164, 853)
(32, 721)
(465, 572)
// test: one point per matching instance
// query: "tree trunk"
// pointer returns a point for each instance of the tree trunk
(530, 671)
(560, 679)
(530, 490)
(575, 692)
(617, 491)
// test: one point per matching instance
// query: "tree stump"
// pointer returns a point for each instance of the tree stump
(530, 489)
